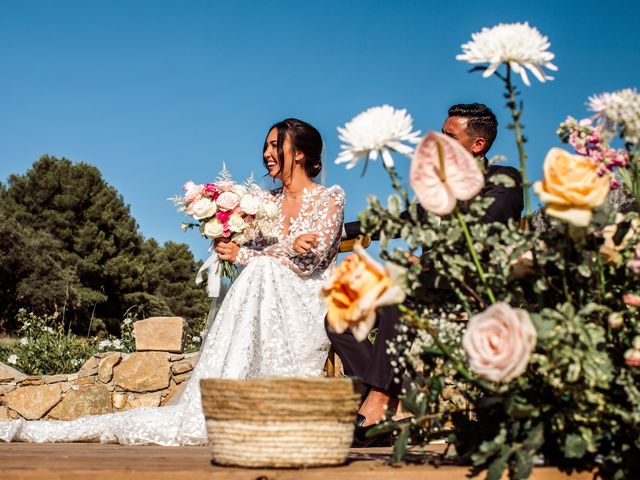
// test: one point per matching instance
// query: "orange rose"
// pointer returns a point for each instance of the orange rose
(356, 288)
(571, 187)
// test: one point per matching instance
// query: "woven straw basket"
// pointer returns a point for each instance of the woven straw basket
(280, 422)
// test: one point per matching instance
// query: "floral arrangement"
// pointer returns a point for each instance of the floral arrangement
(226, 210)
(526, 340)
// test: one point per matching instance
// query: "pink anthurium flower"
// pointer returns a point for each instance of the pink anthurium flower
(442, 172)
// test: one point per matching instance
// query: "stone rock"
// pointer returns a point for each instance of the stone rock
(181, 367)
(55, 378)
(89, 400)
(32, 380)
(182, 377)
(176, 358)
(33, 402)
(72, 377)
(6, 389)
(66, 386)
(165, 334)
(143, 372)
(173, 394)
(90, 364)
(85, 381)
(119, 400)
(105, 367)
(90, 372)
(4, 414)
(8, 414)
(9, 373)
(147, 400)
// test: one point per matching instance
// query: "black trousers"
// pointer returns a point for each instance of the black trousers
(370, 361)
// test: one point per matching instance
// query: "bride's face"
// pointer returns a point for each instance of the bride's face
(276, 167)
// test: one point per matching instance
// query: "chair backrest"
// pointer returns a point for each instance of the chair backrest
(347, 245)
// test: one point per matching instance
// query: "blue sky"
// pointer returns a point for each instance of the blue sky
(155, 93)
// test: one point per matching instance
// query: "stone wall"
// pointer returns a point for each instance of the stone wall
(107, 382)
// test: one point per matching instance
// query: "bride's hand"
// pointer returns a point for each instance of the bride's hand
(226, 249)
(305, 242)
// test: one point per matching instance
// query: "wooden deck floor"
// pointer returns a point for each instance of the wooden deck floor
(73, 461)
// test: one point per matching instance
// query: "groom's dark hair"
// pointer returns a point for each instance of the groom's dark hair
(482, 121)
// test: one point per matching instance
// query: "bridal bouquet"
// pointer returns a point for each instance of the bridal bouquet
(224, 210)
(530, 347)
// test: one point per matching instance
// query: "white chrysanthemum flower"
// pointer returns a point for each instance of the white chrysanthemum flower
(24, 341)
(375, 132)
(104, 344)
(620, 108)
(519, 45)
(13, 359)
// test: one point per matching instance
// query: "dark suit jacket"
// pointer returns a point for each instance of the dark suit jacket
(508, 203)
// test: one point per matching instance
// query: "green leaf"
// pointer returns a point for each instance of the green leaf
(574, 446)
(401, 443)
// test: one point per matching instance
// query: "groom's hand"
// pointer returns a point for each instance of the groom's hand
(305, 242)
(227, 250)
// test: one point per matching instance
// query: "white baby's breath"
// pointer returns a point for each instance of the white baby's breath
(377, 131)
(519, 45)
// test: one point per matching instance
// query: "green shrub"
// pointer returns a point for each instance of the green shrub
(44, 348)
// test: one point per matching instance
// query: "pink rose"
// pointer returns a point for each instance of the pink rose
(631, 300)
(632, 357)
(499, 342)
(225, 185)
(442, 171)
(228, 201)
(211, 190)
(193, 193)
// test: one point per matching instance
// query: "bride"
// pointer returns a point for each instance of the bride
(271, 322)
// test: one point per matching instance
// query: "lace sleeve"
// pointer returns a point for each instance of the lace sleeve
(325, 218)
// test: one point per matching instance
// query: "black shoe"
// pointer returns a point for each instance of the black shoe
(361, 440)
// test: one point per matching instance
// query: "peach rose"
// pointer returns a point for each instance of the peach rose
(227, 201)
(356, 288)
(442, 171)
(498, 342)
(571, 187)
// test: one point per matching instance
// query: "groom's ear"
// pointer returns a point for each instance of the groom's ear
(478, 145)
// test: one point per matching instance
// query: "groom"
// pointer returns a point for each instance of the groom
(475, 127)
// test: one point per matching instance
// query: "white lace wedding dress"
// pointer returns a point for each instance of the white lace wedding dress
(271, 323)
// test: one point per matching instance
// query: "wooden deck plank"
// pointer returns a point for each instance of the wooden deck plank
(76, 461)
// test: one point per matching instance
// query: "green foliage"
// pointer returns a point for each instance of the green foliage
(68, 243)
(45, 348)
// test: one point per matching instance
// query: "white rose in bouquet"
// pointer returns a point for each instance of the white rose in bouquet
(204, 208)
(271, 210)
(250, 204)
(228, 201)
(213, 229)
(499, 342)
(236, 223)
(240, 190)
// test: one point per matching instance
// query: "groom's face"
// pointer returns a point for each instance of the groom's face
(457, 128)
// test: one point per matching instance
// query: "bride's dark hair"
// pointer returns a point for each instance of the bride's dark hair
(304, 138)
